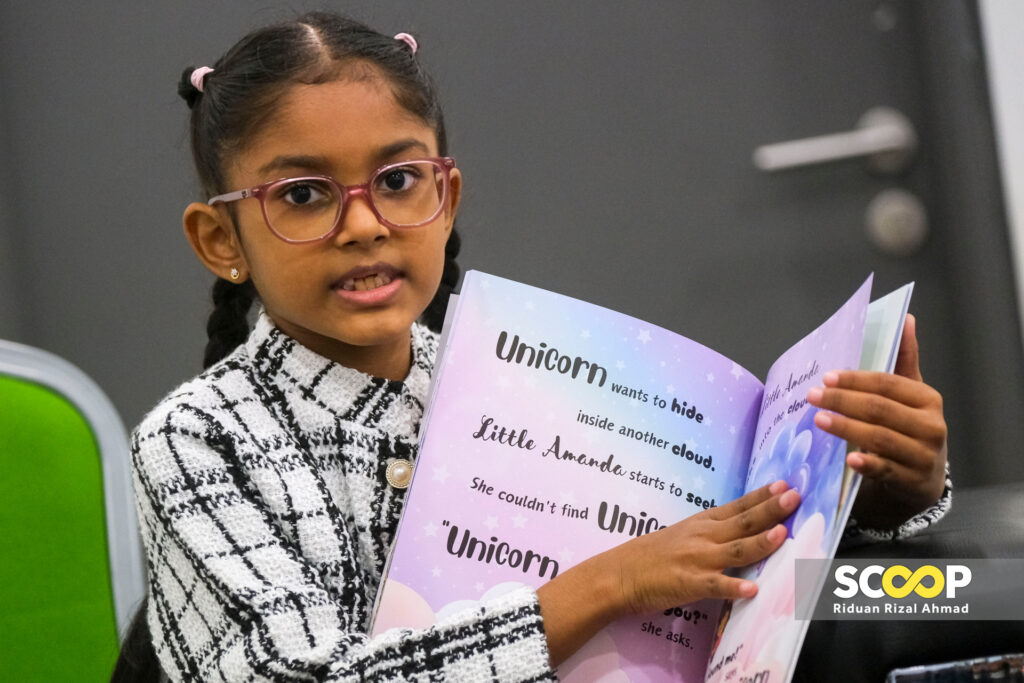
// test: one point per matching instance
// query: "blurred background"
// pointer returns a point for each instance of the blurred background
(608, 151)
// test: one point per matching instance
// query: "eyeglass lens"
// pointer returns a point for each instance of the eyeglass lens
(309, 208)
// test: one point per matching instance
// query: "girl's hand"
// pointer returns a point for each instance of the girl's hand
(896, 419)
(676, 565)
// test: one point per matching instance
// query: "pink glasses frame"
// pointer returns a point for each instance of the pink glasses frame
(446, 164)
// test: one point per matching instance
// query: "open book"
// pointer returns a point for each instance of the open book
(558, 429)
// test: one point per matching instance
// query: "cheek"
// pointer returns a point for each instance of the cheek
(277, 269)
(430, 253)
(438, 261)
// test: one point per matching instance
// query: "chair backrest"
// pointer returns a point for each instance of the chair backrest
(71, 571)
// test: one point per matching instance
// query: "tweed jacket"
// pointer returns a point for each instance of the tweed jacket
(267, 521)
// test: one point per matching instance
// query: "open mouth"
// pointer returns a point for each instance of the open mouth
(366, 278)
(364, 283)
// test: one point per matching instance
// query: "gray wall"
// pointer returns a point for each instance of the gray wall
(94, 166)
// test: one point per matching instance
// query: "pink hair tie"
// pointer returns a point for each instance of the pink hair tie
(198, 76)
(408, 40)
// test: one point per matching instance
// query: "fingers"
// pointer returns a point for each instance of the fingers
(886, 470)
(911, 450)
(900, 389)
(722, 587)
(753, 521)
(878, 399)
(907, 360)
(750, 500)
(750, 549)
(684, 562)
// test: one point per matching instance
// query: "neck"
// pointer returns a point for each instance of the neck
(389, 359)
(392, 362)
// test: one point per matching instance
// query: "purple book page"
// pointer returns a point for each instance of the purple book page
(560, 429)
(760, 636)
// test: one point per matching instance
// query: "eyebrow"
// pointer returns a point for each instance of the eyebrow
(321, 164)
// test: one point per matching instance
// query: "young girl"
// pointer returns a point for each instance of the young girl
(270, 487)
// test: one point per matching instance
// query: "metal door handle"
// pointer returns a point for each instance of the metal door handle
(883, 135)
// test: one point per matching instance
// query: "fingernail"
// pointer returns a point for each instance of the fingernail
(854, 460)
(777, 533)
(748, 589)
(814, 394)
(789, 500)
(778, 487)
(830, 378)
(823, 420)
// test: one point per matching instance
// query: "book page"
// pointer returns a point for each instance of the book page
(560, 429)
(760, 636)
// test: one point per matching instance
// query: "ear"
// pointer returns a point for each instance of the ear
(454, 197)
(215, 241)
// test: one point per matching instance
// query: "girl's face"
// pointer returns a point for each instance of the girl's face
(346, 129)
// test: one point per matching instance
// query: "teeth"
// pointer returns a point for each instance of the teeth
(364, 283)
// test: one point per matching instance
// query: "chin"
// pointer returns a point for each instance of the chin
(376, 334)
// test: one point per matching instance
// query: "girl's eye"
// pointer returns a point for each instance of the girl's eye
(303, 193)
(398, 179)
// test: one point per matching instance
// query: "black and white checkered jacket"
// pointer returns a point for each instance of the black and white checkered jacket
(267, 521)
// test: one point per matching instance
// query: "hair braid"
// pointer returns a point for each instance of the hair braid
(433, 317)
(228, 325)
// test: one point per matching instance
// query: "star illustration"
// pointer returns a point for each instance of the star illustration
(710, 377)
(565, 556)
(670, 389)
(644, 336)
(491, 523)
(430, 529)
(441, 474)
(519, 521)
(736, 371)
(620, 365)
(436, 572)
(585, 334)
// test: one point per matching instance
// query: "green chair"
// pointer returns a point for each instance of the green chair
(71, 570)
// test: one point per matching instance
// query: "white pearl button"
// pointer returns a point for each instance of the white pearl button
(399, 473)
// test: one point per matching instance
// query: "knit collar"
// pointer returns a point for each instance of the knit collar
(296, 369)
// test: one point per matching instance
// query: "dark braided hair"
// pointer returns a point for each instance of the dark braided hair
(228, 324)
(241, 94)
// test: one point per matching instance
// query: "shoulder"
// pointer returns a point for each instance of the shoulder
(202, 406)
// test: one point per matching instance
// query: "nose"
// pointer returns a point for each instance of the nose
(358, 223)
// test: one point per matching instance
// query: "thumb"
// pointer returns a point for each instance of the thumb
(907, 363)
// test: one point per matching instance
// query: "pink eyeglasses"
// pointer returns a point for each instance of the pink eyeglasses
(407, 194)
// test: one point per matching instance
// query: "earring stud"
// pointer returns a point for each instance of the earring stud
(234, 273)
